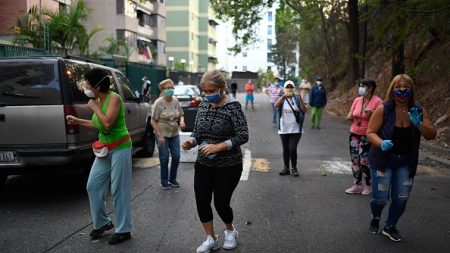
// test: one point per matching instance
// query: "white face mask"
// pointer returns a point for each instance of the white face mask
(362, 91)
(89, 93)
(319, 83)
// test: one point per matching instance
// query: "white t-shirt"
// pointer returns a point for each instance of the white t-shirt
(288, 124)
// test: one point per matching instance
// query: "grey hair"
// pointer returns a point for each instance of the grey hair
(214, 77)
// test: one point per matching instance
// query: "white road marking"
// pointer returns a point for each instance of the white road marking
(247, 164)
(337, 166)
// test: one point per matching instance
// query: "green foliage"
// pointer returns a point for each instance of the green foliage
(66, 25)
(65, 28)
(287, 34)
(116, 47)
(31, 26)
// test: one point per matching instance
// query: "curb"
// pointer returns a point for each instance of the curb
(435, 154)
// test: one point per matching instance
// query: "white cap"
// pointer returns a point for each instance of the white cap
(288, 82)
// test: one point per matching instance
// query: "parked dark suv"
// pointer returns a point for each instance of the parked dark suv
(35, 96)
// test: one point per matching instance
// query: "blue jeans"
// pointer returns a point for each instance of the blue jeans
(172, 145)
(395, 183)
(274, 113)
(114, 168)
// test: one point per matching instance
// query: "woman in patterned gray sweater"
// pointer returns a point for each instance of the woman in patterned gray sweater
(220, 129)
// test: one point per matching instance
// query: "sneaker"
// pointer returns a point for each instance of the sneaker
(392, 233)
(294, 172)
(97, 233)
(174, 183)
(209, 245)
(367, 190)
(374, 226)
(165, 186)
(230, 241)
(119, 237)
(355, 189)
(285, 172)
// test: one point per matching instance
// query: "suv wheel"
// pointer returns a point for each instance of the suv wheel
(148, 144)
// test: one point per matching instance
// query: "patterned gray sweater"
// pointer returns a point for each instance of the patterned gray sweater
(216, 125)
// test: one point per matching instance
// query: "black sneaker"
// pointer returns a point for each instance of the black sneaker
(174, 184)
(393, 234)
(97, 233)
(374, 226)
(119, 237)
(294, 172)
(285, 172)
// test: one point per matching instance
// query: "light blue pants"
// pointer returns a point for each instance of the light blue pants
(114, 168)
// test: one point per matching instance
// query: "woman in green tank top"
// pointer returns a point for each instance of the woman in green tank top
(115, 168)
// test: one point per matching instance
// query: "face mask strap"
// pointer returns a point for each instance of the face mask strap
(95, 86)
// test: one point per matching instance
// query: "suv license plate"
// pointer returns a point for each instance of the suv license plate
(6, 156)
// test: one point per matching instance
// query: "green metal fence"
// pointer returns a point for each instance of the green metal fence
(12, 51)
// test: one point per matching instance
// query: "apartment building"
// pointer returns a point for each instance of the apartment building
(191, 35)
(140, 23)
(12, 10)
(255, 57)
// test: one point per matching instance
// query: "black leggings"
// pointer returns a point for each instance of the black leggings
(290, 143)
(221, 183)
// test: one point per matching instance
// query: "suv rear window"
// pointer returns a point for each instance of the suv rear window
(24, 82)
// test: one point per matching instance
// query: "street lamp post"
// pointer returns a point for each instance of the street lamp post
(171, 58)
(183, 61)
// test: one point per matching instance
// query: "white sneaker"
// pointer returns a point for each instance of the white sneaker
(208, 245)
(230, 241)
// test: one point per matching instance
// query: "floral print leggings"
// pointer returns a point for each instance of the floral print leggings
(359, 151)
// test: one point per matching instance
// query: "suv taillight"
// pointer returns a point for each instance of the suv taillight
(194, 103)
(71, 129)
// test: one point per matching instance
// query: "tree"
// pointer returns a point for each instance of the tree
(65, 26)
(287, 36)
(31, 27)
(116, 47)
(84, 38)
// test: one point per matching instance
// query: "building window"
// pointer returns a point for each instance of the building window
(269, 30)
(269, 16)
(120, 34)
(120, 6)
(146, 19)
(269, 44)
(161, 1)
(244, 68)
(244, 54)
(141, 44)
(269, 58)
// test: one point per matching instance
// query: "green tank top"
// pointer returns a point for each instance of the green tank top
(119, 129)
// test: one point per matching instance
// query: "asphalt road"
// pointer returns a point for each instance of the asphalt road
(49, 212)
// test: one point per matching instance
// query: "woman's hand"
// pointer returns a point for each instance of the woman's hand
(72, 120)
(92, 105)
(209, 149)
(160, 140)
(182, 125)
(187, 145)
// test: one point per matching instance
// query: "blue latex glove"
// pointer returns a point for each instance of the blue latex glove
(386, 145)
(415, 117)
